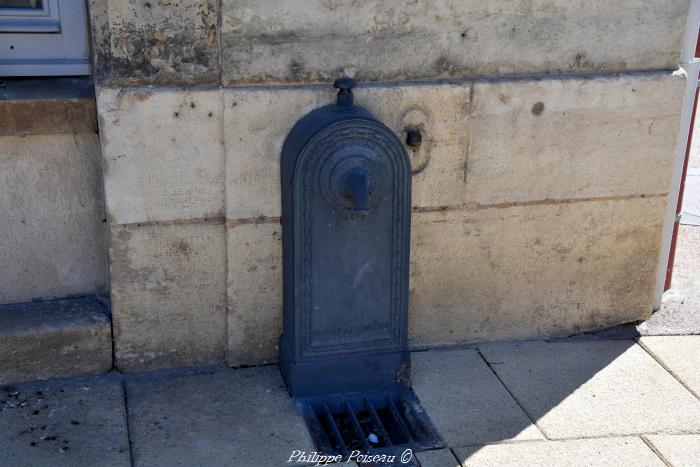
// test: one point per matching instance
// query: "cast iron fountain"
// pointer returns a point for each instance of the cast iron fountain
(346, 216)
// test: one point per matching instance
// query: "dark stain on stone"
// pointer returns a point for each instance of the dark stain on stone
(183, 247)
(179, 45)
(537, 108)
(469, 35)
(176, 114)
(443, 65)
(296, 70)
(581, 61)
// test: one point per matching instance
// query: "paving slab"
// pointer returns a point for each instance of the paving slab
(680, 355)
(229, 417)
(437, 458)
(680, 306)
(611, 452)
(466, 401)
(594, 389)
(81, 422)
(677, 450)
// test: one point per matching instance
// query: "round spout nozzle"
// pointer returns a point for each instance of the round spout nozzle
(357, 186)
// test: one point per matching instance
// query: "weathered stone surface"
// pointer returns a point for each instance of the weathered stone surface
(48, 106)
(594, 388)
(441, 113)
(163, 154)
(679, 355)
(609, 452)
(51, 206)
(317, 40)
(81, 422)
(544, 270)
(257, 120)
(437, 458)
(241, 417)
(156, 42)
(54, 339)
(466, 401)
(531, 271)
(168, 295)
(573, 138)
(254, 292)
(677, 450)
(37, 116)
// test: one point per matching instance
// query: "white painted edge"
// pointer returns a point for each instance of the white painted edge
(689, 66)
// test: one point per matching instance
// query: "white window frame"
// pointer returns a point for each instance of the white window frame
(52, 41)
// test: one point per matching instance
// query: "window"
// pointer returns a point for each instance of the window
(43, 38)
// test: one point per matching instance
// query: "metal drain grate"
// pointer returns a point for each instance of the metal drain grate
(375, 422)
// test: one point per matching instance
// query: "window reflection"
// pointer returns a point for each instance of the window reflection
(34, 4)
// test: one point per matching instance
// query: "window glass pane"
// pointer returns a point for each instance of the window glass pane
(35, 4)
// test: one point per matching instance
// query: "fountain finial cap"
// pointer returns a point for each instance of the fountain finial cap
(344, 86)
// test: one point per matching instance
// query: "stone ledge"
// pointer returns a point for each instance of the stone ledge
(47, 106)
(51, 339)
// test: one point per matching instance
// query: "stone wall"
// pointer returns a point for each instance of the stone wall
(52, 211)
(549, 132)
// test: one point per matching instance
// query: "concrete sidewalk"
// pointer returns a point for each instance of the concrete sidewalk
(576, 402)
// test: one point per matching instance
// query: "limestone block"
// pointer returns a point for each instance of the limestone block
(440, 113)
(573, 138)
(48, 116)
(51, 206)
(168, 295)
(156, 42)
(256, 123)
(54, 339)
(163, 154)
(254, 292)
(257, 120)
(532, 270)
(520, 272)
(317, 40)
